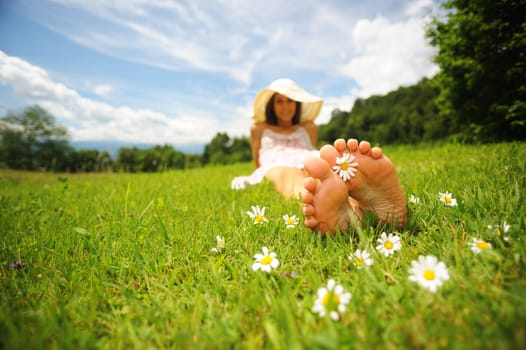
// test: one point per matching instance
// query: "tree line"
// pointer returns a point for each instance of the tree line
(482, 59)
(31, 140)
(406, 115)
(479, 95)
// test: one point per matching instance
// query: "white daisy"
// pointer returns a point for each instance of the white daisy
(360, 258)
(345, 167)
(428, 272)
(478, 245)
(331, 300)
(447, 199)
(257, 214)
(266, 261)
(499, 231)
(414, 199)
(220, 244)
(388, 244)
(290, 221)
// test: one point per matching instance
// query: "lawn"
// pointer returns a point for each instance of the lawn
(132, 261)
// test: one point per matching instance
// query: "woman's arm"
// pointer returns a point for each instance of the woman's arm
(256, 130)
(312, 130)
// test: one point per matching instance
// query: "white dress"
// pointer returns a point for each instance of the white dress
(279, 150)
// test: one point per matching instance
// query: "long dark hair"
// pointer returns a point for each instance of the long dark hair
(270, 115)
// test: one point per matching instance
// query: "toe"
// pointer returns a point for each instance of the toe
(376, 153)
(352, 145)
(309, 184)
(329, 154)
(364, 147)
(319, 168)
(340, 145)
(308, 210)
(311, 222)
(307, 197)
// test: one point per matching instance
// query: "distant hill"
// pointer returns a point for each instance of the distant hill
(406, 115)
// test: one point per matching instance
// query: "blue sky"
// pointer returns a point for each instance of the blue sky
(177, 72)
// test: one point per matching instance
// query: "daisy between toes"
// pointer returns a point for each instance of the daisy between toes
(345, 167)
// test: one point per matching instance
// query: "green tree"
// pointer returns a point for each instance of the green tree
(217, 150)
(336, 127)
(192, 161)
(89, 161)
(240, 150)
(157, 158)
(30, 140)
(151, 160)
(170, 158)
(128, 160)
(161, 158)
(482, 59)
(406, 115)
(223, 149)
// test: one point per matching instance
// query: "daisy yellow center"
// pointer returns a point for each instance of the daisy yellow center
(258, 218)
(290, 221)
(429, 275)
(483, 245)
(388, 245)
(447, 199)
(358, 261)
(330, 299)
(344, 166)
(266, 260)
(498, 233)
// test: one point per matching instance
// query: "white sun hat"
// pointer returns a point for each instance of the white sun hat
(310, 104)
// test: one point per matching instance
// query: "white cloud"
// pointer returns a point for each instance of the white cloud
(243, 39)
(102, 90)
(417, 7)
(343, 103)
(388, 54)
(94, 120)
(230, 45)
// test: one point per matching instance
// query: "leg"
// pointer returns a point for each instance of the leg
(287, 180)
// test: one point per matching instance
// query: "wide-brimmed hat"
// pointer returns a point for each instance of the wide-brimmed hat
(310, 104)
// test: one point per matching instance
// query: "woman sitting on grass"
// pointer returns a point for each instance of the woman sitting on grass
(283, 141)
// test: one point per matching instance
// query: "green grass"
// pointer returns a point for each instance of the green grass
(121, 261)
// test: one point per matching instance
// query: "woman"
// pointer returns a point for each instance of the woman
(338, 182)
(283, 136)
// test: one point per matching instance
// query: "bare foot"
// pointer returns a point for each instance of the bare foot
(375, 185)
(326, 204)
